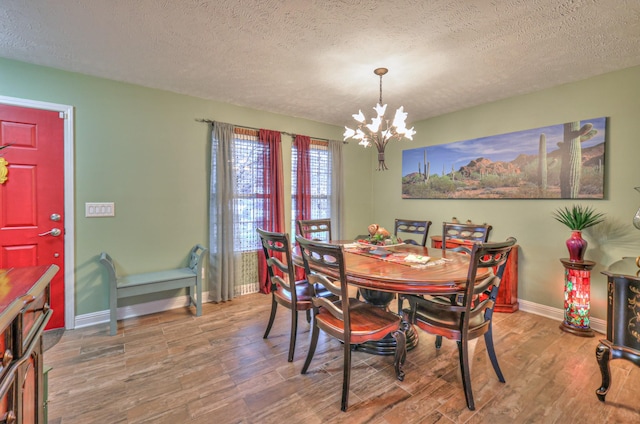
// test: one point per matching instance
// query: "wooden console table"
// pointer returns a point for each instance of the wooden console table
(507, 300)
(623, 324)
(24, 312)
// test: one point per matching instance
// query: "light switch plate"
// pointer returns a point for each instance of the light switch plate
(100, 209)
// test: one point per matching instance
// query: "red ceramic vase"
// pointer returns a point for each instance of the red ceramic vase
(577, 246)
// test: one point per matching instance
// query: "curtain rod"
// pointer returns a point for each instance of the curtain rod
(209, 121)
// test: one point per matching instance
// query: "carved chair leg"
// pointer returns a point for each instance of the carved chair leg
(309, 316)
(488, 340)
(463, 350)
(346, 377)
(312, 348)
(438, 342)
(603, 355)
(274, 306)
(401, 352)
(294, 333)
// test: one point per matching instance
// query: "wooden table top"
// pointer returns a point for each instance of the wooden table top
(367, 271)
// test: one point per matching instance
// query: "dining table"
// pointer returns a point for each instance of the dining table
(382, 272)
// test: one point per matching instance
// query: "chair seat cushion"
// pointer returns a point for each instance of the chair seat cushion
(304, 292)
(368, 322)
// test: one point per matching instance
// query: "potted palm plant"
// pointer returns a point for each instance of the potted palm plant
(577, 218)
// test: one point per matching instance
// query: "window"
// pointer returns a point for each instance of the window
(249, 196)
(320, 159)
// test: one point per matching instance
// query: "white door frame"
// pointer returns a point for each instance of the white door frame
(69, 200)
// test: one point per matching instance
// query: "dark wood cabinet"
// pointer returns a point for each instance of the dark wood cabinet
(623, 320)
(24, 313)
(507, 300)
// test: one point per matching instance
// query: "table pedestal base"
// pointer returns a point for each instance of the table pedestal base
(386, 346)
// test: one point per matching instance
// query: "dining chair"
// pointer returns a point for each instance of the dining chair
(409, 226)
(285, 290)
(476, 233)
(315, 229)
(347, 319)
(466, 232)
(471, 318)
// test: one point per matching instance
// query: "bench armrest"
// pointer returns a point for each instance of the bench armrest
(106, 260)
(197, 258)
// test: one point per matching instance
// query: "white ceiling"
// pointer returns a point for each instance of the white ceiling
(315, 58)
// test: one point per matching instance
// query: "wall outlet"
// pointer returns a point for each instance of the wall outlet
(102, 209)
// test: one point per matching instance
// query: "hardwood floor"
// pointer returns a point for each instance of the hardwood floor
(175, 368)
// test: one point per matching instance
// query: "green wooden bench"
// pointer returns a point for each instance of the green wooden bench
(153, 282)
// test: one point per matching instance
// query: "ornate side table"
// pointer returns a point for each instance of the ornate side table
(577, 297)
(623, 320)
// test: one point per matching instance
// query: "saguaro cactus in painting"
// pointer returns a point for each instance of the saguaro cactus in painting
(542, 162)
(571, 149)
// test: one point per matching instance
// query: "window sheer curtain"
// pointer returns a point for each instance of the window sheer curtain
(221, 214)
(337, 191)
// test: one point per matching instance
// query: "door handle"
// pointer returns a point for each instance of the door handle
(54, 232)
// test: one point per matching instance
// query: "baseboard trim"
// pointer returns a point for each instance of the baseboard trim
(100, 317)
(140, 309)
(598, 325)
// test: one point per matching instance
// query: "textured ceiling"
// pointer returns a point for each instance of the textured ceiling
(315, 58)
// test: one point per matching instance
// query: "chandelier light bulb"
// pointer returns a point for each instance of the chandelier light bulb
(379, 131)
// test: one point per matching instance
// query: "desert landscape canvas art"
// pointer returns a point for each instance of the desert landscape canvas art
(563, 161)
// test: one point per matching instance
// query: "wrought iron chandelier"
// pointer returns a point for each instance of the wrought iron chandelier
(380, 130)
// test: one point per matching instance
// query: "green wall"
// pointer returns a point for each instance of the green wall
(142, 149)
(541, 239)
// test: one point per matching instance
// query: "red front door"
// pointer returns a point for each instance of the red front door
(32, 197)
